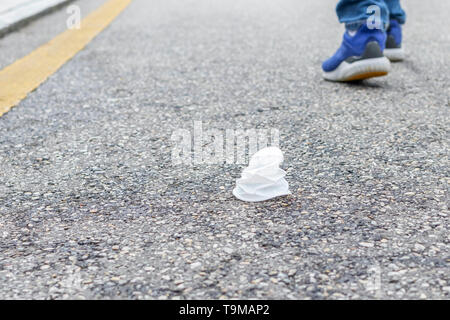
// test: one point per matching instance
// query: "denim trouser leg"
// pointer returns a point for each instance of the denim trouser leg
(354, 12)
(395, 11)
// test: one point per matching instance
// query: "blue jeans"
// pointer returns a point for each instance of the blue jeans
(354, 12)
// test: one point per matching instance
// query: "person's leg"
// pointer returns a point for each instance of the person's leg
(395, 11)
(394, 50)
(354, 13)
(361, 53)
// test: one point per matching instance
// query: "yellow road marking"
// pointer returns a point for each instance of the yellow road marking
(26, 74)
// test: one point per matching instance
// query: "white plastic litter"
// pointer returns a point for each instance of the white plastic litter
(262, 179)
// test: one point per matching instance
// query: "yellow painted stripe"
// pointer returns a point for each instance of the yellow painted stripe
(26, 74)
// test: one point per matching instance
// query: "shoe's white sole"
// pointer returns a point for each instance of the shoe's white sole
(395, 54)
(359, 70)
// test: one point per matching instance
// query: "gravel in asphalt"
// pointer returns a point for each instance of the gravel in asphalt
(92, 207)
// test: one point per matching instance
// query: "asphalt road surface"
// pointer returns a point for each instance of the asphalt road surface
(91, 205)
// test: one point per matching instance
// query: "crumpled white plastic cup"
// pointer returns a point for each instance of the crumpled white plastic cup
(262, 179)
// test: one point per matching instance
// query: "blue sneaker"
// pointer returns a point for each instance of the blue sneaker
(394, 50)
(359, 57)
